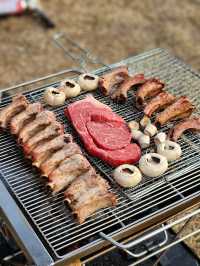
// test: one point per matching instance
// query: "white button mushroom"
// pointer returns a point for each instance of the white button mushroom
(150, 130)
(136, 134)
(145, 121)
(153, 164)
(127, 175)
(144, 141)
(133, 125)
(70, 88)
(88, 82)
(160, 138)
(171, 150)
(54, 97)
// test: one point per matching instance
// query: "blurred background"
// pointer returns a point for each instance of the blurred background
(112, 30)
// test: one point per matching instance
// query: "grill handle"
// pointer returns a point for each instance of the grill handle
(66, 71)
(164, 228)
(80, 55)
(126, 247)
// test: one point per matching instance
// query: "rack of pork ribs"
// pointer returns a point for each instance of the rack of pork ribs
(150, 95)
(58, 158)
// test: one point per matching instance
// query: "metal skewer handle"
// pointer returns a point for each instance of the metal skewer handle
(83, 57)
(164, 228)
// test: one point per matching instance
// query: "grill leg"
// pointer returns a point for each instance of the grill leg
(76, 262)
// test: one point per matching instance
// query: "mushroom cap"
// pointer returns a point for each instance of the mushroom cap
(70, 87)
(54, 97)
(144, 141)
(170, 149)
(127, 175)
(153, 164)
(88, 82)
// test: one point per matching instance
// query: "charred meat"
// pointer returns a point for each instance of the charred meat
(161, 101)
(109, 80)
(192, 124)
(182, 108)
(120, 95)
(19, 103)
(149, 89)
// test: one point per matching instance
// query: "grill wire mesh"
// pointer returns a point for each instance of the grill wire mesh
(52, 219)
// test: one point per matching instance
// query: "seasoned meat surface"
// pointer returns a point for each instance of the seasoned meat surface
(18, 104)
(120, 95)
(24, 117)
(52, 162)
(42, 119)
(188, 124)
(112, 78)
(67, 171)
(54, 129)
(161, 101)
(45, 149)
(149, 89)
(87, 194)
(182, 108)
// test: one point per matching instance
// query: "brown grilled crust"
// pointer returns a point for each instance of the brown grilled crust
(180, 109)
(120, 95)
(149, 89)
(116, 76)
(161, 101)
(189, 124)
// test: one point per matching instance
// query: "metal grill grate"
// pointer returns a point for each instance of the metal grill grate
(48, 214)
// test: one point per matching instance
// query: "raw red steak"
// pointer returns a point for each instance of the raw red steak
(81, 113)
(109, 135)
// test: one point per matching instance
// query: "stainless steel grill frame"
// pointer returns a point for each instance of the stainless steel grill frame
(52, 221)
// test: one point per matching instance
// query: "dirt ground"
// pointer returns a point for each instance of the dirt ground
(112, 29)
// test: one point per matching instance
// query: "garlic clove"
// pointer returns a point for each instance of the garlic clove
(133, 125)
(136, 134)
(88, 82)
(150, 130)
(145, 121)
(127, 175)
(144, 141)
(70, 88)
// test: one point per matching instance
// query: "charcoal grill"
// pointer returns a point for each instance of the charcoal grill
(44, 226)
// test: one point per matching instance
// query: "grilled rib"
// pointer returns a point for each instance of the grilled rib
(161, 101)
(54, 129)
(52, 162)
(112, 78)
(149, 89)
(24, 117)
(182, 108)
(87, 194)
(45, 149)
(67, 171)
(120, 95)
(17, 105)
(42, 120)
(189, 124)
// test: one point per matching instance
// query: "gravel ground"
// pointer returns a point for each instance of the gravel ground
(111, 29)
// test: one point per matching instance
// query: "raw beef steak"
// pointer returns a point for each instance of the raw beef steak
(104, 133)
(109, 135)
